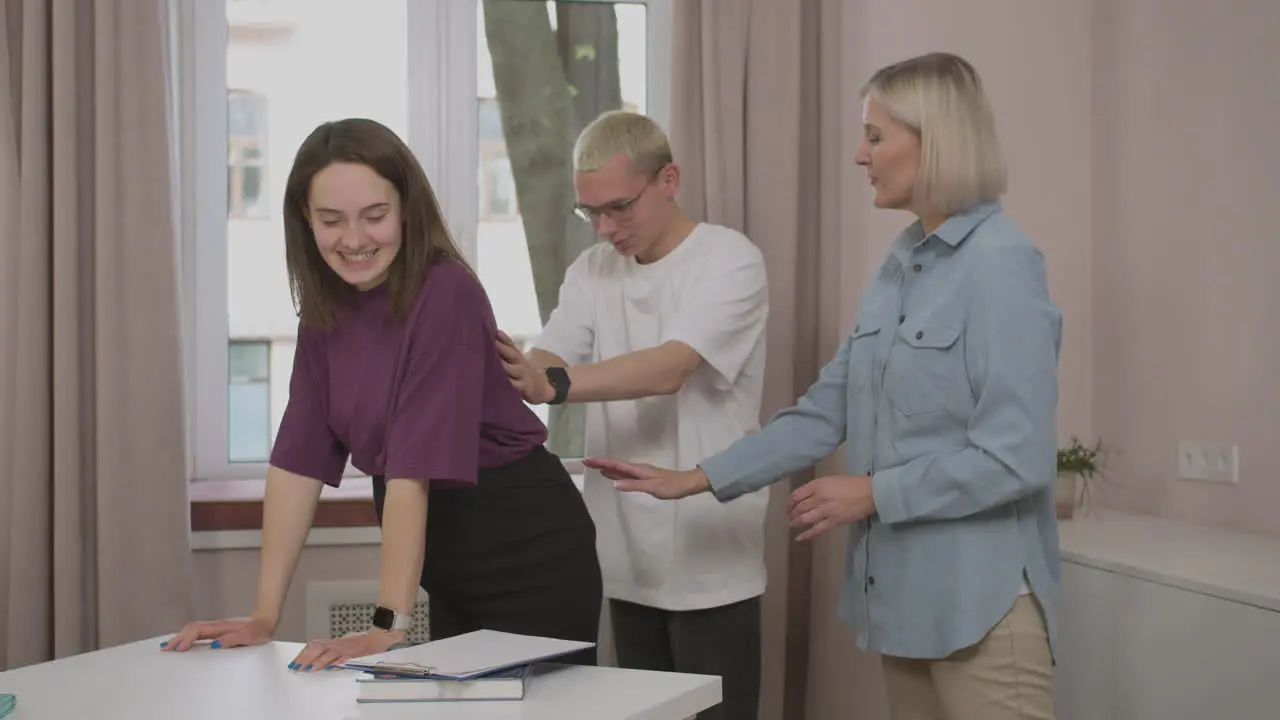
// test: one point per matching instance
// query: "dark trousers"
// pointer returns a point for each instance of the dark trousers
(723, 641)
(515, 553)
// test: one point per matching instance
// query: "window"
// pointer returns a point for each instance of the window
(248, 401)
(466, 84)
(246, 155)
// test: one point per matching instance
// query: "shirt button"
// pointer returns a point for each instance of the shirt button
(919, 334)
(871, 580)
(901, 318)
(917, 267)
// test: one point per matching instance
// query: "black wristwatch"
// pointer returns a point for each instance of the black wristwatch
(387, 619)
(559, 379)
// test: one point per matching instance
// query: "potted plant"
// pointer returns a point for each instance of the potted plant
(1078, 466)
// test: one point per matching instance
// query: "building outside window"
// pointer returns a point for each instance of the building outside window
(246, 155)
(248, 401)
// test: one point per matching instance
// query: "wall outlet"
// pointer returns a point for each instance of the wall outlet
(1208, 461)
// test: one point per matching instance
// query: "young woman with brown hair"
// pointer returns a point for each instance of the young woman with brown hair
(396, 368)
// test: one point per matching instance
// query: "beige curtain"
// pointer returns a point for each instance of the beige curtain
(756, 125)
(93, 504)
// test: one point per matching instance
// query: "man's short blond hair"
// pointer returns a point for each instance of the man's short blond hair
(621, 132)
(939, 96)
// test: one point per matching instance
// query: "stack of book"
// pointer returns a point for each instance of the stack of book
(477, 666)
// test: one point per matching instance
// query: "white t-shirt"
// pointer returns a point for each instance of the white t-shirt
(711, 293)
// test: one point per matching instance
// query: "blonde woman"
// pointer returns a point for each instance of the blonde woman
(944, 395)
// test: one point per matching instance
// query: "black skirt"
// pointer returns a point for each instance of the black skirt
(516, 552)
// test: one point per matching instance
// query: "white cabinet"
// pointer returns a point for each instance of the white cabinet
(1166, 621)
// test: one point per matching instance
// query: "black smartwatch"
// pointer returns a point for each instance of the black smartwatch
(559, 379)
(388, 619)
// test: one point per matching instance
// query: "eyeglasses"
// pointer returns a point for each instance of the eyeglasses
(619, 211)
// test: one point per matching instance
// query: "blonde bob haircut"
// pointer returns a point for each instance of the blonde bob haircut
(939, 97)
(621, 132)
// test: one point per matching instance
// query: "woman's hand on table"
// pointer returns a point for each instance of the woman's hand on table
(234, 632)
(830, 501)
(659, 482)
(328, 654)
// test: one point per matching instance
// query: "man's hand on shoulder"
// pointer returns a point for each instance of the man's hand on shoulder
(526, 377)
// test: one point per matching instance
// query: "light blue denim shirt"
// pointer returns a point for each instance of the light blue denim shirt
(945, 393)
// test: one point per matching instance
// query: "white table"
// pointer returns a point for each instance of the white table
(139, 682)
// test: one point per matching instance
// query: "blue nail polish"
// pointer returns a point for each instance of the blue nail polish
(216, 644)
(164, 644)
(293, 665)
(308, 669)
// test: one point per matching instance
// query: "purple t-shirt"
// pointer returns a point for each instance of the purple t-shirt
(426, 398)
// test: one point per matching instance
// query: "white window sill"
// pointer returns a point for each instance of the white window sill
(251, 490)
(252, 539)
(352, 488)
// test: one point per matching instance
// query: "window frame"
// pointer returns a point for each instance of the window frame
(442, 132)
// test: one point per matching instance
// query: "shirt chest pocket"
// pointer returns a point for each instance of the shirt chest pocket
(925, 359)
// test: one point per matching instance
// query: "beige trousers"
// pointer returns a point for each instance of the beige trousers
(1008, 675)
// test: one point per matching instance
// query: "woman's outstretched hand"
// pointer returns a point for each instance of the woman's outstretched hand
(235, 632)
(659, 482)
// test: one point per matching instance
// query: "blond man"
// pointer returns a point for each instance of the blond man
(661, 330)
